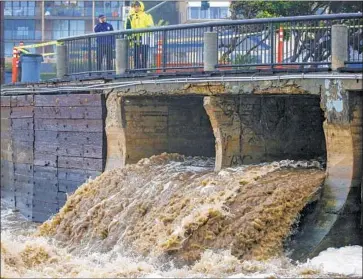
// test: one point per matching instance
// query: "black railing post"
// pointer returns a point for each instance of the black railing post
(272, 44)
(89, 55)
(165, 51)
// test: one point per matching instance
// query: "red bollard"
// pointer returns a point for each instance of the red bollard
(15, 66)
(159, 55)
(280, 49)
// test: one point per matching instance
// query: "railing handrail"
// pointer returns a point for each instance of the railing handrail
(219, 23)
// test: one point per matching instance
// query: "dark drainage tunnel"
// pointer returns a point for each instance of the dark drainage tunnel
(173, 124)
(276, 127)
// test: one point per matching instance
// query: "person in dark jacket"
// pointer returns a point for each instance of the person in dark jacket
(104, 43)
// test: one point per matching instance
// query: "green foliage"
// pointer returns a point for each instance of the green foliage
(265, 9)
(261, 9)
(245, 59)
(345, 7)
(265, 14)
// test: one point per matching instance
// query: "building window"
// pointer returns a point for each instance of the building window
(218, 12)
(204, 14)
(31, 8)
(20, 29)
(109, 8)
(76, 27)
(88, 8)
(211, 13)
(60, 29)
(19, 8)
(116, 24)
(194, 12)
(9, 49)
(67, 28)
(68, 8)
(8, 10)
(116, 9)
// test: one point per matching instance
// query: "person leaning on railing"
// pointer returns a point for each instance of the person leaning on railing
(105, 44)
(138, 18)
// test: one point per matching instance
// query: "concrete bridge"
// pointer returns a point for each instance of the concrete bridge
(55, 135)
(51, 143)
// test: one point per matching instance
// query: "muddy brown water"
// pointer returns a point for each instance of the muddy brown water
(170, 211)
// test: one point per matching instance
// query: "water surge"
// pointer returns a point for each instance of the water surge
(170, 216)
(170, 205)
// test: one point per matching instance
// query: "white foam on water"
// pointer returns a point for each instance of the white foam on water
(346, 260)
(341, 262)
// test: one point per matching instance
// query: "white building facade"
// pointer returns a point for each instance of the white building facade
(191, 11)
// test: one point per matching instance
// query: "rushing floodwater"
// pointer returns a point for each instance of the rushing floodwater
(76, 244)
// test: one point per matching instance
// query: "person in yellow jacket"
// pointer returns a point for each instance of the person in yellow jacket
(140, 41)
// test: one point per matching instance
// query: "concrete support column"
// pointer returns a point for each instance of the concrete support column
(226, 125)
(62, 61)
(337, 219)
(115, 133)
(210, 51)
(339, 46)
(121, 56)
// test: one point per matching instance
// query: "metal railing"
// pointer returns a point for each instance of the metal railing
(254, 44)
(355, 41)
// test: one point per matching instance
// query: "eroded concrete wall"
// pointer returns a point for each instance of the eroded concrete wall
(260, 128)
(141, 126)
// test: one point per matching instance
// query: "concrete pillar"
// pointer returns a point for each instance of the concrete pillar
(226, 125)
(121, 56)
(337, 217)
(210, 51)
(339, 46)
(62, 61)
(115, 133)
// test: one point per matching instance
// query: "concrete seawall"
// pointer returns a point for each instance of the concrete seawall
(50, 144)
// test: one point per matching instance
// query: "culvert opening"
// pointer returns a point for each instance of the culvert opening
(169, 124)
(277, 127)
